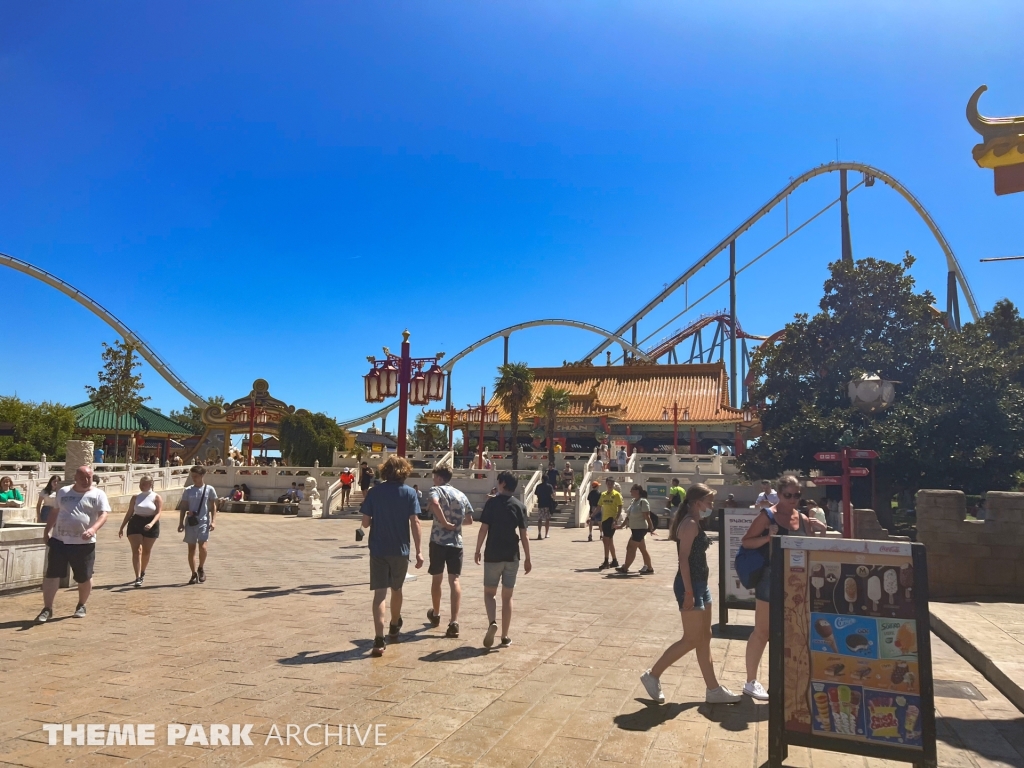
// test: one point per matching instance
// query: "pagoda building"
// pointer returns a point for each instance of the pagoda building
(649, 406)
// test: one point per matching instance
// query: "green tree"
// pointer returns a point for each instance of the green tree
(552, 400)
(514, 388)
(425, 436)
(192, 415)
(310, 437)
(957, 416)
(120, 386)
(35, 429)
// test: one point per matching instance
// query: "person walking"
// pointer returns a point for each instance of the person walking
(391, 512)
(783, 518)
(675, 497)
(568, 483)
(47, 499)
(639, 522)
(502, 529)
(545, 506)
(611, 505)
(365, 477)
(767, 498)
(594, 518)
(346, 478)
(198, 508)
(143, 523)
(70, 537)
(451, 510)
(622, 458)
(694, 599)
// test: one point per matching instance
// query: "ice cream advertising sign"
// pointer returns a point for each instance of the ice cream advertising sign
(855, 664)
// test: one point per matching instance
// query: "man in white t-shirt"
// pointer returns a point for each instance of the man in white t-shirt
(70, 537)
(768, 497)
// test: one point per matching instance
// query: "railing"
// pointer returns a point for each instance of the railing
(529, 497)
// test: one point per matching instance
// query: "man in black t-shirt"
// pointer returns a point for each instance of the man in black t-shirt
(502, 528)
(545, 506)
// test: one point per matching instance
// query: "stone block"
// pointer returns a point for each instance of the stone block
(973, 551)
(996, 573)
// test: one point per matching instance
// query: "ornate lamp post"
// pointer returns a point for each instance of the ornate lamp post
(256, 416)
(487, 415)
(404, 376)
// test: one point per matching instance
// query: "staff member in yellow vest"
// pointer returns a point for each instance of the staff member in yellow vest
(611, 506)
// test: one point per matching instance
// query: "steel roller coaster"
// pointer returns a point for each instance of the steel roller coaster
(725, 323)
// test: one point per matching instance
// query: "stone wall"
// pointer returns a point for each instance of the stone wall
(968, 558)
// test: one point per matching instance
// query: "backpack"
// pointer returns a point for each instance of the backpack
(751, 563)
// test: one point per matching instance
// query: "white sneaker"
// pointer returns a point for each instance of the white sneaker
(754, 690)
(653, 686)
(721, 695)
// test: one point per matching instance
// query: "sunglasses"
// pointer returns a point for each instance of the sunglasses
(796, 495)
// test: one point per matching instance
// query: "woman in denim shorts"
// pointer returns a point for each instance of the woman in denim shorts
(784, 518)
(694, 598)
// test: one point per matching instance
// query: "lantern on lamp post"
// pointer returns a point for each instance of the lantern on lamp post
(403, 376)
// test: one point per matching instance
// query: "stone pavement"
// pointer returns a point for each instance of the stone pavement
(991, 637)
(280, 634)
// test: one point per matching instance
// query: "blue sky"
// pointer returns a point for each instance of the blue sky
(277, 189)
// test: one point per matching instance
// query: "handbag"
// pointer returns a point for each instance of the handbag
(751, 563)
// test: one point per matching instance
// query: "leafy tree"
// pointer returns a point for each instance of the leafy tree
(956, 422)
(120, 386)
(192, 415)
(426, 437)
(552, 400)
(36, 429)
(514, 388)
(310, 437)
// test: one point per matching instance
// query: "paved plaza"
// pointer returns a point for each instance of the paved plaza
(281, 632)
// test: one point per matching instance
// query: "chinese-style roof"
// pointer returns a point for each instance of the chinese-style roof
(634, 394)
(90, 418)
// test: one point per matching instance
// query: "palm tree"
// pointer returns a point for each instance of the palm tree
(551, 401)
(514, 388)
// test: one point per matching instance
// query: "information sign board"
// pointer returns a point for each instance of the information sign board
(733, 523)
(853, 672)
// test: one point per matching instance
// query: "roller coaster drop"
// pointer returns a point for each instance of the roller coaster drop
(725, 323)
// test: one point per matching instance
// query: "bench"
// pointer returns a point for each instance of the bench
(260, 507)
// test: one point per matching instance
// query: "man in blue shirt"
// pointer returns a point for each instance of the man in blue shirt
(390, 510)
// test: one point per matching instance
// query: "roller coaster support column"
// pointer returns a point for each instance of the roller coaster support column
(732, 323)
(952, 303)
(506, 350)
(844, 212)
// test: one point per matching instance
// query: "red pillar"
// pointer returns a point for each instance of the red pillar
(847, 512)
(693, 440)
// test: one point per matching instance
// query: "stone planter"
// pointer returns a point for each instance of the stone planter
(22, 556)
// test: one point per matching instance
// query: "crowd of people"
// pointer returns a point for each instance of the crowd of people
(73, 514)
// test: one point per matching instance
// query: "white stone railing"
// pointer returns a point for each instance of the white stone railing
(114, 479)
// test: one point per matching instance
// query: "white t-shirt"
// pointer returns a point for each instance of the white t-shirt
(598, 465)
(78, 510)
(772, 498)
(49, 500)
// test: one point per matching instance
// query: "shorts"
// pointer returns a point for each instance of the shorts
(81, 558)
(346, 487)
(137, 527)
(608, 527)
(388, 571)
(44, 514)
(544, 514)
(444, 556)
(504, 572)
(701, 593)
(195, 534)
(595, 515)
(763, 589)
(637, 534)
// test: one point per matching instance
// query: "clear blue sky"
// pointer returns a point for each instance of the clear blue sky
(277, 189)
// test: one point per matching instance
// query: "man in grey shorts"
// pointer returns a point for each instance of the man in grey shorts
(502, 528)
(391, 511)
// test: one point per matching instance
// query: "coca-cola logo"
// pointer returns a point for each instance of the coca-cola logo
(895, 549)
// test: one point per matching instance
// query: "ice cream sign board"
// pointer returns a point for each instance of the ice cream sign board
(855, 663)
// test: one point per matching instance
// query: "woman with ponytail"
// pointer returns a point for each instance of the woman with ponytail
(694, 598)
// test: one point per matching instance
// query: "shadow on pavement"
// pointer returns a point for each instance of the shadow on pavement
(732, 631)
(652, 715)
(1002, 742)
(456, 654)
(732, 717)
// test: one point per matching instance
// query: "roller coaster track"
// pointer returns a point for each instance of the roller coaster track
(108, 317)
(677, 338)
(951, 262)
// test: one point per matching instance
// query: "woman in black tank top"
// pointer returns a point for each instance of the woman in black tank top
(785, 519)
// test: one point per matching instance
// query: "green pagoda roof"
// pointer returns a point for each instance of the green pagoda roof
(89, 417)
